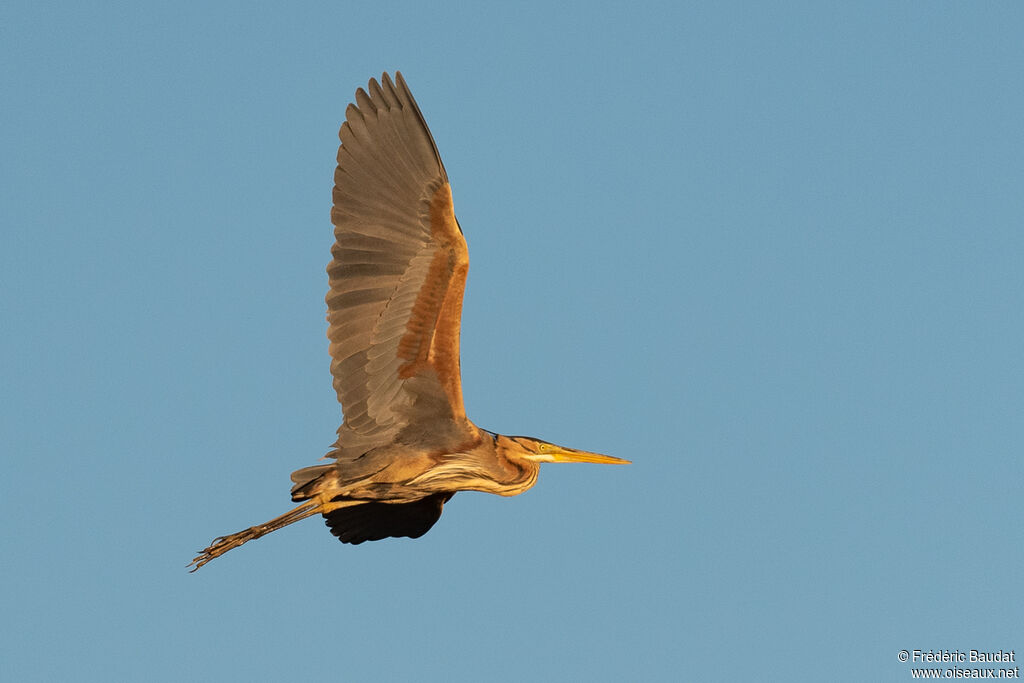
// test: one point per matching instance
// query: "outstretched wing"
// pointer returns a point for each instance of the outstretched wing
(397, 277)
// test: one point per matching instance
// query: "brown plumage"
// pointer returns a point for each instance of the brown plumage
(394, 309)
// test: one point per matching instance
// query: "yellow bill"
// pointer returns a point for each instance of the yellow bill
(560, 454)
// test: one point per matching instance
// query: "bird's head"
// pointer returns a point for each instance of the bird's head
(539, 451)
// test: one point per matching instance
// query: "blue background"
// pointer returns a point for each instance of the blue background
(771, 254)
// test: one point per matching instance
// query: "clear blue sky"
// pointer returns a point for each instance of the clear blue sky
(771, 254)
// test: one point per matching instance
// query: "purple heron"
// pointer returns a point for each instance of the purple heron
(397, 275)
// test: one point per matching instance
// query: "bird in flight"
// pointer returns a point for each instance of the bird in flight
(397, 276)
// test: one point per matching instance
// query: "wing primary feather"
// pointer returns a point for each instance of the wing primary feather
(406, 95)
(364, 101)
(378, 92)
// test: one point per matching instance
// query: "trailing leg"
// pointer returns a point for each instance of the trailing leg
(221, 545)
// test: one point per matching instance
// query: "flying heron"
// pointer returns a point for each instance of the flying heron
(397, 275)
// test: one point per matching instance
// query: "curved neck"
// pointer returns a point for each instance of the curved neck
(515, 473)
(492, 463)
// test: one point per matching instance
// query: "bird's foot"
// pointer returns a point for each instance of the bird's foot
(222, 544)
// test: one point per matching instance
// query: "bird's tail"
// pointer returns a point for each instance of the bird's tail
(221, 545)
(307, 481)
